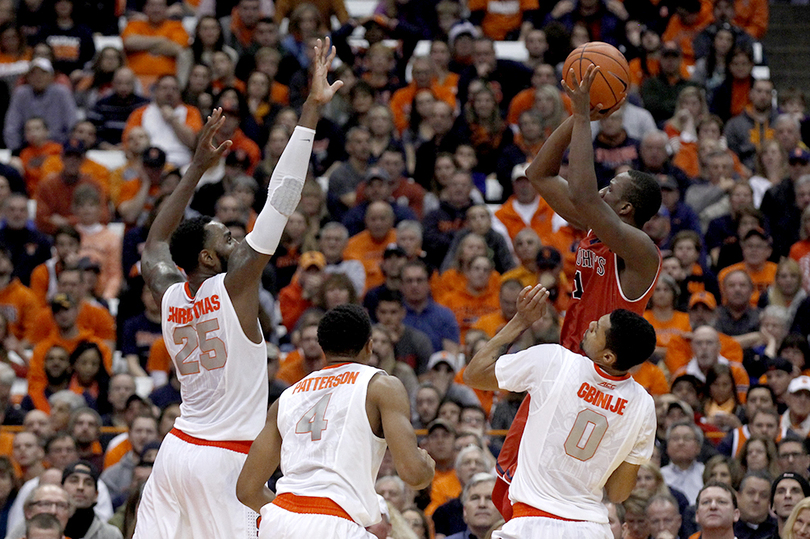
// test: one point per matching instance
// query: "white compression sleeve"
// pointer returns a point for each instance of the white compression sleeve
(283, 193)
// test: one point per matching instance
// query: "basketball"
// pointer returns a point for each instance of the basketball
(610, 85)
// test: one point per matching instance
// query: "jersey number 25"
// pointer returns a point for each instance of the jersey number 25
(212, 350)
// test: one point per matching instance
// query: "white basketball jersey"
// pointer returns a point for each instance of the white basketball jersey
(328, 449)
(582, 425)
(223, 375)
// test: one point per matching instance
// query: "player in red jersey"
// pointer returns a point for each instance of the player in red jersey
(617, 263)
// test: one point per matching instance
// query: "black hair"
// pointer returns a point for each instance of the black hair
(187, 241)
(391, 296)
(644, 193)
(716, 371)
(67, 230)
(794, 340)
(197, 44)
(761, 386)
(344, 330)
(723, 486)
(102, 377)
(631, 338)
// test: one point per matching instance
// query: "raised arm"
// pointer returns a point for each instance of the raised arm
(480, 372)
(159, 270)
(627, 241)
(387, 396)
(261, 462)
(251, 256)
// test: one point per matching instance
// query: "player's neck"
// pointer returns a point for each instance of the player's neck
(196, 279)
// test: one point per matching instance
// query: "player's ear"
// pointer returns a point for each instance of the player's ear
(608, 357)
(206, 258)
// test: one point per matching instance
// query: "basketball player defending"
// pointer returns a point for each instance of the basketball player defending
(590, 425)
(210, 325)
(617, 263)
(329, 433)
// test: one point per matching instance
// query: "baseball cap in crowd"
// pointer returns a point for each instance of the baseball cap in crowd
(312, 258)
(73, 147)
(670, 48)
(42, 63)
(441, 424)
(376, 173)
(465, 28)
(392, 249)
(519, 171)
(799, 155)
(780, 364)
(759, 232)
(154, 157)
(548, 257)
(791, 475)
(452, 360)
(668, 183)
(800, 383)
(62, 302)
(704, 298)
(81, 467)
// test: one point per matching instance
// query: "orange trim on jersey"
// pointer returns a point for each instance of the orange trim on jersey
(336, 365)
(310, 505)
(603, 374)
(187, 288)
(522, 510)
(238, 446)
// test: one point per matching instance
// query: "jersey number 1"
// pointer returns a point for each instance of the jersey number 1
(586, 435)
(314, 421)
(578, 289)
(212, 350)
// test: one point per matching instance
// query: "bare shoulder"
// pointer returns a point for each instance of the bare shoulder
(383, 387)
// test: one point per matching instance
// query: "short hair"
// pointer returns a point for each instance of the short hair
(389, 296)
(688, 235)
(334, 225)
(344, 330)
(694, 428)
(511, 283)
(759, 474)
(416, 264)
(56, 437)
(635, 504)
(187, 241)
(718, 484)
(778, 312)
(43, 521)
(397, 481)
(68, 397)
(760, 386)
(663, 498)
(644, 193)
(67, 230)
(478, 478)
(82, 411)
(631, 338)
(409, 224)
(791, 439)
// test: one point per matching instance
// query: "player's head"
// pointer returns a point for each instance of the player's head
(619, 340)
(635, 195)
(202, 243)
(345, 331)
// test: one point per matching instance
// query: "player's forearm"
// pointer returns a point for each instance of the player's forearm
(582, 179)
(480, 373)
(547, 161)
(310, 114)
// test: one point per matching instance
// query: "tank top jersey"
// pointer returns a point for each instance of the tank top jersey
(597, 280)
(222, 373)
(582, 424)
(328, 449)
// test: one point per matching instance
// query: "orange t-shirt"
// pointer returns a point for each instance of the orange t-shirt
(687, 159)
(651, 378)
(490, 324)
(402, 102)
(53, 165)
(159, 359)
(684, 35)
(751, 16)
(800, 249)
(364, 248)
(468, 307)
(33, 159)
(762, 278)
(677, 325)
(144, 63)
(94, 319)
(292, 303)
(502, 16)
(279, 93)
(679, 351)
(21, 308)
(524, 100)
(445, 487)
(292, 368)
(637, 75)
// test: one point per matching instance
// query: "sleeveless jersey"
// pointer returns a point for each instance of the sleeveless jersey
(597, 280)
(223, 375)
(582, 424)
(328, 449)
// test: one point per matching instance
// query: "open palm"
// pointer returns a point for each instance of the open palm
(320, 89)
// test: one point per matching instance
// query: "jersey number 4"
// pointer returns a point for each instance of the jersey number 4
(586, 435)
(314, 421)
(212, 349)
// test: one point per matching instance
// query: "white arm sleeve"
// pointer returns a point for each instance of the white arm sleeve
(283, 193)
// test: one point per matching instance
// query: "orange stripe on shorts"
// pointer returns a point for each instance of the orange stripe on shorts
(310, 505)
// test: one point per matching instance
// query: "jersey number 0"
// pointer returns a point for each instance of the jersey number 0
(586, 435)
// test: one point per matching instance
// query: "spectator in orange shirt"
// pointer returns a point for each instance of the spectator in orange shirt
(152, 45)
(239, 27)
(423, 79)
(526, 202)
(305, 359)
(493, 322)
(43, 278)
(756, 248)
(55, 194)
(223, 73)
(368, 246)
(300, 294)
(145, 182)
(34, 154)
(84, 133)
(663, 316)
(57, 373)
(171, 125)
(691, 16)
(235, 109)
(19, 304)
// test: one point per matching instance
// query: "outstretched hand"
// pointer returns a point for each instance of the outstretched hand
(207, 155)
(320, 90)
(532, 303)
(580, 95)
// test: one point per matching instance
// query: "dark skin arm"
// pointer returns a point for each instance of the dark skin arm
(245, 265)
(630, 243)
(262, 460)
(159, 270)
(621, 482)
(480, 372)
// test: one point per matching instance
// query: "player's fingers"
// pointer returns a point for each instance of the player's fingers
(222, 148)
(331, 57)
(574, 76)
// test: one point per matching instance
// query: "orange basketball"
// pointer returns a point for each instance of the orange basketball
(610, 85)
